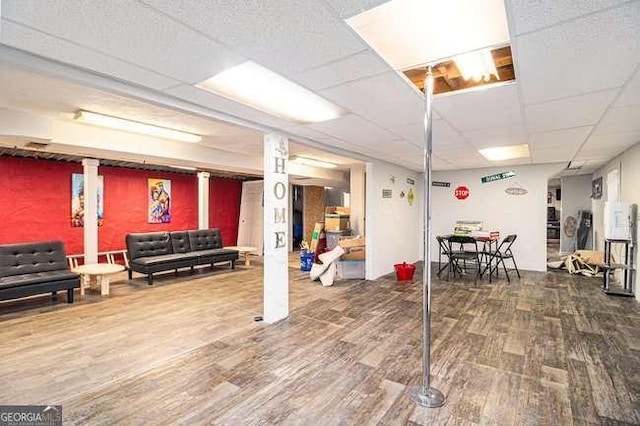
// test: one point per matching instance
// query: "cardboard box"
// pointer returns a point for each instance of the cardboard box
(336, 218)
(354, 247)
(349, 241)
(318, 232)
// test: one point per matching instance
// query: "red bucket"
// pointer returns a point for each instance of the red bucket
(404, 271)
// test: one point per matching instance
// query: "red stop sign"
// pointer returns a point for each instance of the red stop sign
(461, 192)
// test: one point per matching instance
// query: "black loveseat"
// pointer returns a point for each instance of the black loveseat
(35, 268)
(163, 251)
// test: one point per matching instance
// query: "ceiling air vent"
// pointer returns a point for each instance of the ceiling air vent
(36, 145)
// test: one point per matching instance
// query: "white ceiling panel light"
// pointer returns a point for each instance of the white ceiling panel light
(414, 22)
(135, 126)
(312, 162)
(254, 85)
(502, 153)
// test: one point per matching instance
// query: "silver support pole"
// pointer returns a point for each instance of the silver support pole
(426, 395)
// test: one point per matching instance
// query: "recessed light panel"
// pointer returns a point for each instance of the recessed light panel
(410, 33)
(263, 89)
(502, 153)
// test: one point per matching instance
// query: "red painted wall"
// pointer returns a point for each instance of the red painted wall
(35, 204)
(126, 204)
(224, 208)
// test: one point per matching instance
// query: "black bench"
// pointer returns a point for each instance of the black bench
(163, 251)
(35, 268)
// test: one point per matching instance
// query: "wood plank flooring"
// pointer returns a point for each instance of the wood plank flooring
(549, 349)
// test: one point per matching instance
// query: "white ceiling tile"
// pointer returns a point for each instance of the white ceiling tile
(352, 128)
(570, 139)
(400, 149)
(569, 112)
(619, 139)
(498, 136)
(414, 133)
(349, 8)
(481, 109)
(630, 94)
(620, 119)
(385, 99)
(598, 154)
(130, 31)
(41, 44)
(445, 136)
(585, 55)
(354, 67)
(530, 15)
(287, 36)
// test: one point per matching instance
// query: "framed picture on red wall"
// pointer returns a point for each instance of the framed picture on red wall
(159, 191)
(77, 200)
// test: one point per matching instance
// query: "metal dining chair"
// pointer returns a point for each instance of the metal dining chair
(443, 250)
(500, 254)
(467, 251)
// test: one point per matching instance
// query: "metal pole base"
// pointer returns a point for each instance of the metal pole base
(430, 398)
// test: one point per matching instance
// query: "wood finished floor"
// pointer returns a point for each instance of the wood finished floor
(549, 349)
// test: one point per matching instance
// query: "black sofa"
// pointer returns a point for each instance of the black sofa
(163, 251)
(35, 268)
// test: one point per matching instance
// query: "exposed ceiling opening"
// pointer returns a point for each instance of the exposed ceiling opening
(448, 78)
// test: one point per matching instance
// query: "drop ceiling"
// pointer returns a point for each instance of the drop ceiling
(577, 95)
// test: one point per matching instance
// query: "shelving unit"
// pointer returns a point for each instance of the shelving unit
(626, 267)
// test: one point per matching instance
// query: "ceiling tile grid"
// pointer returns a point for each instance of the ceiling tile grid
(497, 136)
(355, 129)
(567, 138)
(130, 31)
(385, 99)
(28, 39)
(630, 94)
(490, 107)
(532, 15)
(574, 111)
(592, 53)
(620, 119)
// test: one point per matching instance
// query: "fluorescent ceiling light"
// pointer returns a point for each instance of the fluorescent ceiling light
(505, 152)
(476, 65)
(312, 162)
(263, 89)
(410, 33)
(173, 166)
(135, 126)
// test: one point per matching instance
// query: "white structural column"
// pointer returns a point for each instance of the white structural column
(90, 167)
(203, 200)
(276, 228)
(357, 207)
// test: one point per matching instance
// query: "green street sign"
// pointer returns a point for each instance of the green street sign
(499, 176)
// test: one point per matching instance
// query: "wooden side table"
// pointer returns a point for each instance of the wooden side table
(97, 276)
(244, 251)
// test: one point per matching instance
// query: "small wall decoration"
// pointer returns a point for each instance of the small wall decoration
(499, 176)
(159, 191)
(387, 193)
(402, 194)
(392, 179)
(411, 196)
(461, 192)
(570, 226)
(77, 200)
(411, 181)
(596, 188)
(440, 184)
(516, 189)
(549, 197)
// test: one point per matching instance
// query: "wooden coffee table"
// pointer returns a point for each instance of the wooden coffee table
(97, 275)
(244, 251)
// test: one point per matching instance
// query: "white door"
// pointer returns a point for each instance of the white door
(251, 216)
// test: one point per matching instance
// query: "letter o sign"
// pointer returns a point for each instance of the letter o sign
(461, 192)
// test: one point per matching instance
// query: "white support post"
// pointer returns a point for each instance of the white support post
(276, 228)
(90, 167)
(203, 200)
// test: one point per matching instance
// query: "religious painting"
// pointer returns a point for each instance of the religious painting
(77, 200)
(159, 191)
